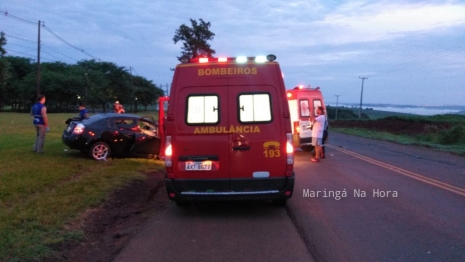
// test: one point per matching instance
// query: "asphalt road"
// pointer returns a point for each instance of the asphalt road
(368, 200)
(421, 219)
(223, 231)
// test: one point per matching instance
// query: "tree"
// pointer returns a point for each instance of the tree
(4, 74)
(195, 39)
(147, 93)
(2, 43)
(65, 85)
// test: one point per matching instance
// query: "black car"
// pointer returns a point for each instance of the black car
(114, 134)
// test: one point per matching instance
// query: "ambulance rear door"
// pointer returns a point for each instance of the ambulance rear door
(257, 138)
(304, 102)
(200, 155)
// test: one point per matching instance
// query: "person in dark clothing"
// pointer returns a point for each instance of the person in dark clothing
(83, 112)
(40, 121)
(325, 140)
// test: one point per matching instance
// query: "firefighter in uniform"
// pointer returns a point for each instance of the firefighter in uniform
(40, 121)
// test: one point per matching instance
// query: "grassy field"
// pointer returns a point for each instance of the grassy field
(450, 140)
(426, 141)
(41, 196)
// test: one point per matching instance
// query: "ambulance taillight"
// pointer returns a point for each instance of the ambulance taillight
(296, 127)
(168, 157)
(289, 155)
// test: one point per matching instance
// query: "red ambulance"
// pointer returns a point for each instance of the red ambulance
(227, 131)
(303, 102)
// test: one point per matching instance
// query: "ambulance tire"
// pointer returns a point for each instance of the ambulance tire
(181, 203)
(279, 202)
(307, 148)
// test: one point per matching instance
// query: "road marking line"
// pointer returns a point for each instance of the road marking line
(434, 182)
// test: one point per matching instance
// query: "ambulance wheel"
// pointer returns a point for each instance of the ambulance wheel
(307, 148)
(279, 202)
(181, 203)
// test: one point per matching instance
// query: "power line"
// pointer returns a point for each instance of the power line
(18, 52)
(49, 30)
(20, 38)
(66, 42)
(23, 46)
(18, 18)
(60, 52)
(51, 55)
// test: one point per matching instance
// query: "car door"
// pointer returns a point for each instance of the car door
(146, 140)
(124, 135)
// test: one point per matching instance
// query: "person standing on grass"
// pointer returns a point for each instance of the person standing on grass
(40, 121)
(317, 132)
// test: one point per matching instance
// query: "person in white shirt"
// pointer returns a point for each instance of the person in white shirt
(317, 132)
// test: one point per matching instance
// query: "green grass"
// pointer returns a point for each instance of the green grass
(421, 140)
(42, 195)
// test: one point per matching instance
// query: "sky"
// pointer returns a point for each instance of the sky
(409, 52)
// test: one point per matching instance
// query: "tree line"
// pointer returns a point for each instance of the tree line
(97, 84)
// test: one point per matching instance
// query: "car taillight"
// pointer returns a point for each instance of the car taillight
(168, 159)
(78, 129)
(289, 155)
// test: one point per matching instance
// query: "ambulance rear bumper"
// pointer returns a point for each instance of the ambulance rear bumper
(222, 193)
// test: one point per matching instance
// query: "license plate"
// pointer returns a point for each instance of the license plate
(199, 166)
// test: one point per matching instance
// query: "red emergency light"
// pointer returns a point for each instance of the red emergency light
(239, 59)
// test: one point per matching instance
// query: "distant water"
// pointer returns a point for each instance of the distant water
(425, 111)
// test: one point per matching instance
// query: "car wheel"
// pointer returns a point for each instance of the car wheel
(100, 151)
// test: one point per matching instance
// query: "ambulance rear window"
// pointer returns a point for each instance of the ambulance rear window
(316, 104)
(202, 109)
(254, 108)
(304, 108)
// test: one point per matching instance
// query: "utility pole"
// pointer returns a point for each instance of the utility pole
(132, 89)
(361, 96)
(85, 97)
(337, 101)
(38, 62)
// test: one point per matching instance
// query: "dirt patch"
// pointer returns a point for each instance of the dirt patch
(109, 228)
(394, 126)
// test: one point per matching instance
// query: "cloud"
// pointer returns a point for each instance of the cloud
(360, 22)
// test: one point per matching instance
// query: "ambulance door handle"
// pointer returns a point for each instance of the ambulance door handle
(241, 148)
